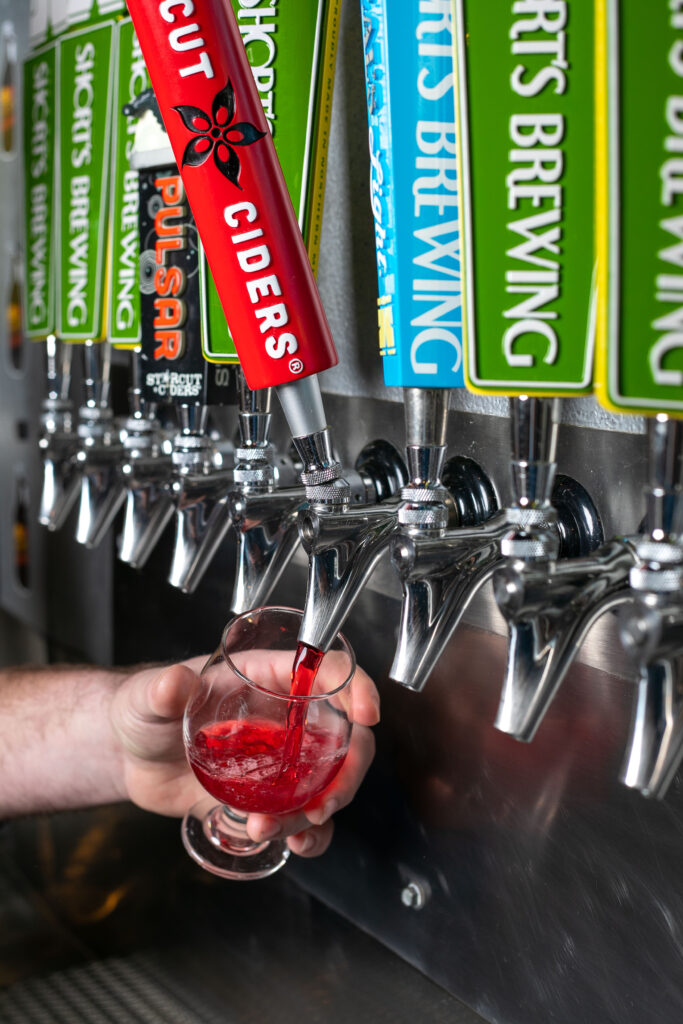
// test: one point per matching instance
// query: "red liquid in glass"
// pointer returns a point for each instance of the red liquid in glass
(307, 661)
(241, 764)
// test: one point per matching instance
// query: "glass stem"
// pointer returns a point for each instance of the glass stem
(228, 829)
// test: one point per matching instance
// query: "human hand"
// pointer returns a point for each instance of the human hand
(146, 714)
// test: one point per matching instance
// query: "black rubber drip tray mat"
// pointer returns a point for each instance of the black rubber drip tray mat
(119, 990)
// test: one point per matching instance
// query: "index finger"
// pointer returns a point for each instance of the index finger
(364, 699)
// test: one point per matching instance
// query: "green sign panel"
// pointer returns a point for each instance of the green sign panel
(291, 52)
(526, 101)
(130, 79)
(641, 321)
(85, 90)
(40, 107)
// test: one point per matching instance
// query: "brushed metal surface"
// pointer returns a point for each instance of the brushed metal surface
(552, 892)
(104, 919)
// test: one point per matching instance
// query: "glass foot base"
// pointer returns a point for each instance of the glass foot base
(216, 838)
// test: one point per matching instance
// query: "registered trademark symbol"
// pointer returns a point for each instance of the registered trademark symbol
(295, 366)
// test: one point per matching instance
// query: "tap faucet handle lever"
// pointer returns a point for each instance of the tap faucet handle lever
(58, 369)
(534, 423)
(96, 373)
(664, 515)
(193, 418)
(254, 413)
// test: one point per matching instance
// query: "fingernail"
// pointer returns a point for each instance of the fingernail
(271, 830)
(320, 815)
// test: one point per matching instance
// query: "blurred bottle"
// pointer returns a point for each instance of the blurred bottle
(20, 534)
(15, 334)
(8, 89)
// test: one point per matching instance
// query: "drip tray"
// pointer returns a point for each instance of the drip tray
(105, 920)
(122, 990)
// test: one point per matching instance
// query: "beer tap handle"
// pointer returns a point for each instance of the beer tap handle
(243, 213)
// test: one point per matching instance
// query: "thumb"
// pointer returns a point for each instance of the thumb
(168, 693)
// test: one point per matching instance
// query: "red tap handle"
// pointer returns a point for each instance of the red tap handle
(212, 113)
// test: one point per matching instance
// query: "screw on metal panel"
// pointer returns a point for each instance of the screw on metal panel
(413, 896)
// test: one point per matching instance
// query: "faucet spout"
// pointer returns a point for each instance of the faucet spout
(202, 521)
(267, 537)
(58, 442)
(652, 630)
(147, 510)
(102, 493)
(343, 545)
(440, 576)
(550, 606)
(61, 478)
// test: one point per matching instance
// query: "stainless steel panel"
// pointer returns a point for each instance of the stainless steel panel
(104, 918)
(551, 892)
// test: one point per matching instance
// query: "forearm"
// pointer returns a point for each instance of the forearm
(57, 745)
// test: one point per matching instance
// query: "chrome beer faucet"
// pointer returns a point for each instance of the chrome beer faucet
(651, 626)
(344, 541)
(147, 472)
(263, 503)
(446, 546)
(100, 452)
(203, 476)
(550, 603)
(58, 440)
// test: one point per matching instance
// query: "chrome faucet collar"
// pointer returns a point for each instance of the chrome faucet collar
(424, 508)
(533, 533)
(321, 473)
(255, 468)
(56, 417)
(192, 453)
(660, 567)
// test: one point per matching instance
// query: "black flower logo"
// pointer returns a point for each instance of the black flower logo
(217, 134)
